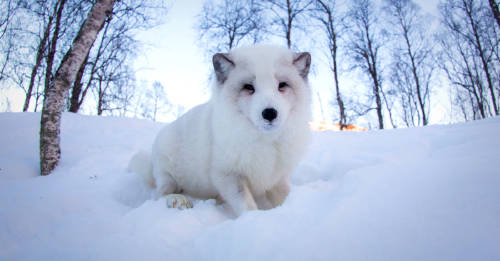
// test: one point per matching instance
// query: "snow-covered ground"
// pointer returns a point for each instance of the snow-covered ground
(428, 193)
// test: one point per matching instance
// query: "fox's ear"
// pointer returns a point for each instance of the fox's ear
(302, 61)
(222, 66)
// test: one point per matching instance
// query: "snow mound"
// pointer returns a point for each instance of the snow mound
(415, 194)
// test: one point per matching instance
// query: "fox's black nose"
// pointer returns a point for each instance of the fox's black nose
(269, 114)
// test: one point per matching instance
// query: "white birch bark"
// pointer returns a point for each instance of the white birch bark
(50, 151)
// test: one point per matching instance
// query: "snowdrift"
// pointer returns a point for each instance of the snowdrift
(428, 193)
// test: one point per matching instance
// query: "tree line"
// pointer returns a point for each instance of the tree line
(390, 45)
(402, 57)
(35, 35)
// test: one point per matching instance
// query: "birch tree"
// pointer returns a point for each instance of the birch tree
(364, 47)
(8, 10)
(42, 32)
(47, 44)
(223, 24)
(114, 51)
(412, 68)
(495, 11)
(287, 16)
(158, 99)
(50, 151)
(327, 13)
(470, 43)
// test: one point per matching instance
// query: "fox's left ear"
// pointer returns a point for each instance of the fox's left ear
(222, 65)
(302, 61)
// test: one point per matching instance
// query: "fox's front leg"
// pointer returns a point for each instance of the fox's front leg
(278, 193)
(235, 192)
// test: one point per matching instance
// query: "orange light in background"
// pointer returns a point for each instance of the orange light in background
(330, 126)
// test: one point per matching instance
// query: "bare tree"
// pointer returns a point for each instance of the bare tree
(50, 151)
(113, 54)
(286, 16)
(7, 47)
(469, 44)
(366, 40)
(482, 43)
(33, 49)
(125, 94)
(224, 24)
(52, 47)
(112, 73)
(37, 34)
(157, 96)
(461, 72)
(153, 101)
(42, 48)
(8, 10)
(79, 91)
(51, 30)
(150, 101)
(402, 79)
(327, 13)
(495, 11)
(75, 101)
(412, 68)
(38, 61)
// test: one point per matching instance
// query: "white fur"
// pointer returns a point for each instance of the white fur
(224, 148)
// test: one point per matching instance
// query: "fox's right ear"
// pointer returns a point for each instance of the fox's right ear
(222, 66)
(302, 61)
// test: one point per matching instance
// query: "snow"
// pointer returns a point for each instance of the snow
(428, 193)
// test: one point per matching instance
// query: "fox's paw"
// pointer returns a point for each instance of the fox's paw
(178, 201)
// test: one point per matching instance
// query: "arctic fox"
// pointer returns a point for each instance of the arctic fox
(240, 146)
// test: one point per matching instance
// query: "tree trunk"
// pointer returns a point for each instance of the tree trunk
(289, 25)
(342, 119)
(100, 99)
(332, 34)
(415, 76)
(38, 60)
(496, 12)
(372, 67)
(477, 92)
(77, 87)
(34, 72)
(389, 110)
(76, 99)
(378, 101)
(53, 45)
(321, 106)
(50, 151)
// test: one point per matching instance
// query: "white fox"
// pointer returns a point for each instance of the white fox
(240, 146)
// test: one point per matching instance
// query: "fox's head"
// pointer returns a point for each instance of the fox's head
(266, 84)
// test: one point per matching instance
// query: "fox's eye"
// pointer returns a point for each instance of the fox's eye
(248, 87)
(282, 86)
